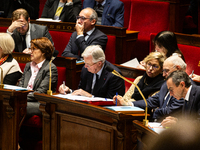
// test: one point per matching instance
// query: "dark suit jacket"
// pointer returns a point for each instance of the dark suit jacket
(32, 7)
(36, 31)
(108, 85)
(41, 83)
(75, 45)
(193, 105)
(68, 13)
(158, 100)
(113, 12)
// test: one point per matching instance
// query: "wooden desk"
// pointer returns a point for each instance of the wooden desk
(75, 125)
(144, 135)
(124, 39)
(73, 69)
(12, 112)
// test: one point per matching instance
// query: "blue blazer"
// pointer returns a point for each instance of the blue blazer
(108, 85)
(157, 101)
(113, 12)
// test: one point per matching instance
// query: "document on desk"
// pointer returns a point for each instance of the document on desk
(16, 88)
(126, 109)
(156, 126)
(82, 98)
(131, 63)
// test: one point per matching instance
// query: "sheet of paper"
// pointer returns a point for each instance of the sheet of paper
(47, 19)
(131, 63)
(156, 126)
(16, 88)
(82, 98)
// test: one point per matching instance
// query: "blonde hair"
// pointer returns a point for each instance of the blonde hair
(96, 52)
(155, 55)
(7, 43)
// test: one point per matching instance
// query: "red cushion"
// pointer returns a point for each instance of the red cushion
(3, 29)
(60, 40)
(34, 121)
(42, 3)
(192, 60)
(61, 76)
(127, 9)
(22, 66)
(110, 49)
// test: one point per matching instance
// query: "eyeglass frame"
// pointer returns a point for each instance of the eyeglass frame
(153, 66)
(167, 70)
(90, 65)
(82, 18)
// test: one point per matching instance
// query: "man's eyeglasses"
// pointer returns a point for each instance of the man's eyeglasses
(81, 17)
(153, 66)
(89, 65)
(167, 70)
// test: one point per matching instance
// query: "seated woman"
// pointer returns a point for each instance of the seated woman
(36, 73)
(165, 42)
(151, 81)
(11, 70)
(64, 10)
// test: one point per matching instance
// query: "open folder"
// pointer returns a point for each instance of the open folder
(126, 109)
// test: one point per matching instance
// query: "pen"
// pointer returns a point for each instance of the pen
(192, 73)
(116, 99)
(106, 99)
(64, 86)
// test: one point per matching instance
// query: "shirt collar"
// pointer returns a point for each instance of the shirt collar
(100, 71)
(39, 65)
(103, 3)
(90, 32)
(188, 93)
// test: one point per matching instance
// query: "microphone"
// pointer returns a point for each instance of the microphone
(1, 85)
(49, 92)
(110, 69)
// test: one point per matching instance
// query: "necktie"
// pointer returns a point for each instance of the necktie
(166, 101)
(96, 84)
(23, 42)
(186, 105)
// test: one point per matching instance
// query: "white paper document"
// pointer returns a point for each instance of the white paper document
(16, 88)
(156, 126)
(82, 98)
(47, 19)
(131, 63)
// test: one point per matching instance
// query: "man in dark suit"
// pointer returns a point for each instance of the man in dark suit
(95, 79)
(86, 34)
(180, 87)
(162, 102)
(64, 10)
(8, 6)
(110, 12)
(23, 31)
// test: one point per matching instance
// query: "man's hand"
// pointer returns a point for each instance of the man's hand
(81, 92)
(169, 121)
(120, 101)
(63, 89)
(79, 28)
(16, 24)
(27, 51)
(195, 77)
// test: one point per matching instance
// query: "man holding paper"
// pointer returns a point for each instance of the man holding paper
(95, 79)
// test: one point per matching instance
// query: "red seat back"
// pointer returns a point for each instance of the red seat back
(110, 49)
(3, 29)
(127, 9)
(60, 40)
(42, 3)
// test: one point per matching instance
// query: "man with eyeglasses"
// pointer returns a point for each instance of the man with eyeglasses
(23, 31)
(95, 79)
(86, 34)
(162, 102)
(110, 12)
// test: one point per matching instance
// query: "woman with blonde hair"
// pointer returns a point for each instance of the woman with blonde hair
(10, 67)
(151, 81)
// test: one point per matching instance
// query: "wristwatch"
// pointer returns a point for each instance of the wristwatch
(69, 4)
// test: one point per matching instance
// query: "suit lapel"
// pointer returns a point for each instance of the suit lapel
(106, 7)
(33, 32)
(28, 76)
(191, 99)
(91, 36)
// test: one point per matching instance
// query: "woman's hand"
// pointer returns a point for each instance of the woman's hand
(120, 101)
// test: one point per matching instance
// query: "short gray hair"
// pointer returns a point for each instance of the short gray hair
(93, 15)
(177, 61)
(7, 43)
(96, 52)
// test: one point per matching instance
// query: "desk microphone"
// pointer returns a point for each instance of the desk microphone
(110, 69)
(49, 92)
(1, 85)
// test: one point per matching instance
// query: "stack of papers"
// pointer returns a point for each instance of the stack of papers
(47, 19)
(131, 63)
(126, 109)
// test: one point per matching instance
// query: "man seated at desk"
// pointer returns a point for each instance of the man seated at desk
(180, 87)
(95, 79)
(110, 12)
(23, 31)
(86, 34)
